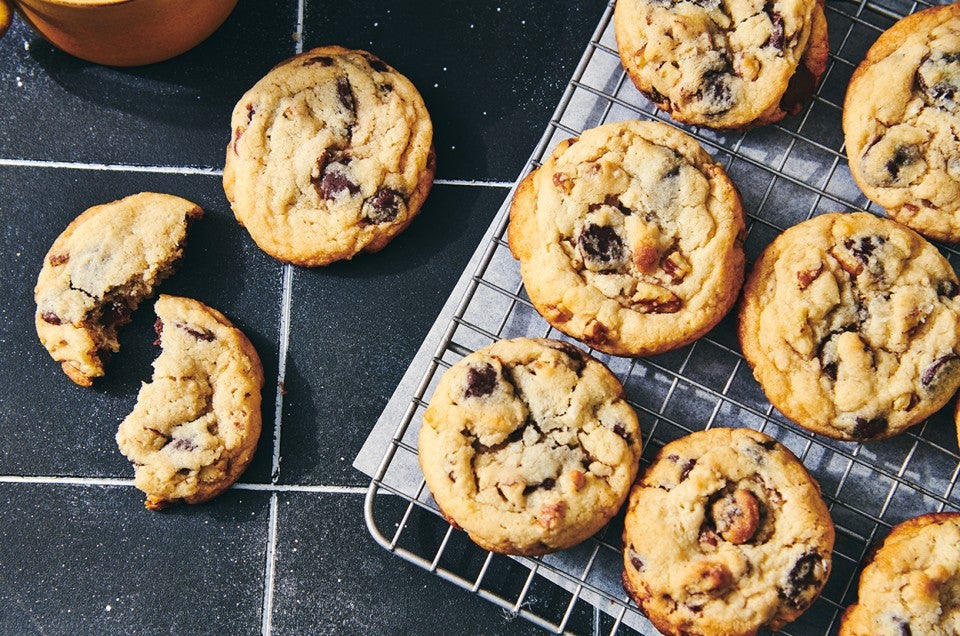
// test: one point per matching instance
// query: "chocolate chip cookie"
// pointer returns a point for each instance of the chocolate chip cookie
(629, 238)
(725, 533)
(852, 326)
(723, 65)
(331, 155)
(529, 446)
(97, 272)
(195, 426)
(901, 118)
(912, 583)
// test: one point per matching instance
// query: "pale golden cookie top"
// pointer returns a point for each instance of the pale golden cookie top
(852, 325)
(725, 533)
(196, 424)
(721, 64)
(331, 154)
(629, 238)
(99, 269)
(901, 119)
(529, 445)
(912, 583)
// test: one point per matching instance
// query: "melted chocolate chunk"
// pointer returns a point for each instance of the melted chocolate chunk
(322, 60)
(184, 444)
(199, 333)
(601, 246)
(116, 314)
(576, 355)
(686, 468)
(481, 381)
(384, 206)
(377, 65)
(716, 91)
(51, 318)
(947, 288)
(903, 625)
(937, 79)
(904, 156)
(776, 28)
(546, 484)
(863, 247)
(867, 429)
(930, 374)
(799, 88)
(345, 94)
(334, 177)
(803, 580)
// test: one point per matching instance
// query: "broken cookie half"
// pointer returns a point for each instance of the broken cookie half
(99, 269)
(196, 424)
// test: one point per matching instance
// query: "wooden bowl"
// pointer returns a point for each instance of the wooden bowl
(125, 32)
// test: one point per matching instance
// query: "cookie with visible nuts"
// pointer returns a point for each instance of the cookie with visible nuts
(196, 424)
(331, 155)
(900, 118)
(725, 533)
(852, 326)
(96, 273)
(724, 65)
(529, 446)
(910, 584)
(630, 238)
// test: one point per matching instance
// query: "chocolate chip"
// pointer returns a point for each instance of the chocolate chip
(937, 79)
(867, 429)
(904, 156)
(384, 206)
(481, 381)
(863, 247)
(716, 91)
(637, 564)
(601, 247)
(686, 468)
(345, 94)
(334, 177)
(622, 432)
(184, 444)
(776, 28)
(577, 357)
(546, 484)
(377, 64)
(803, 580)
(322, 60)
(197, 332)
(947, 288)
(452, 477)
(902, 625)
(657, 98)
(115, 314)
(930, 374)
(58, 259)
(51, 318)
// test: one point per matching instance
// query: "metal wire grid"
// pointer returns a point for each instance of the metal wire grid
(786, 173)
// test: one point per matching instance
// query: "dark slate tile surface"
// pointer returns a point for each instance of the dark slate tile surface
(348, 353)
(72, 134)
(92, 560)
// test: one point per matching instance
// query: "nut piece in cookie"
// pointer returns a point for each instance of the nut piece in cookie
(529, 446)
(630, 238)
(195, 426)
(724, 65)
(851, 324)
(99, 269)
(901, 115)
(911, 584)
(725, 533)
(331, 155)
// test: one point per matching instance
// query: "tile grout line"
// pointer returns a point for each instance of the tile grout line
(270, 558)
(198, 170)
(119, 482)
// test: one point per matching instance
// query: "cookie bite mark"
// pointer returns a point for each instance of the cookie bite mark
(529, 445)
(196, 424)
(106, 261)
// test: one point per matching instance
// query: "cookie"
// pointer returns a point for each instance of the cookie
(900, 121)
(195, 426)
(909, 585)
(331, 154)
(98, 271)
(724, 65)
(629, 238)
(852, 326)
(529, 446)
(725, 533)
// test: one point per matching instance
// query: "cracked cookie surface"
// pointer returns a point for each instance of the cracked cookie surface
(96, 273)
(331, 155)
(911, 585)
(725, 65)
(852, 326)
(196, 424)
(725, 533)
(529, 446)
(629, 238)
(901, 122)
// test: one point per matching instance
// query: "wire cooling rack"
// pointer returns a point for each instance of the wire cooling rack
(786, 173)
